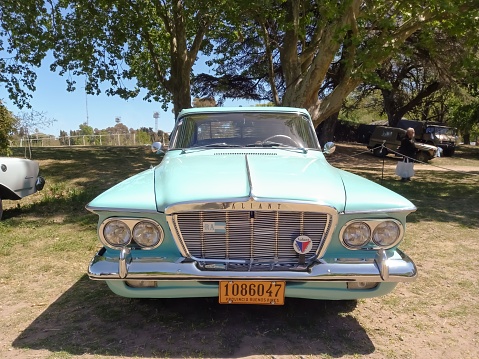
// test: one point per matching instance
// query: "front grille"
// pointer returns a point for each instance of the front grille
(245, 240)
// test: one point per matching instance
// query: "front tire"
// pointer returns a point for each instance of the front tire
(422, 156)
(449, 152)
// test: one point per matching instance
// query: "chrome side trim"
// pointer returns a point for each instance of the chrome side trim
(116, 209)
(397, 268)
(385, 210)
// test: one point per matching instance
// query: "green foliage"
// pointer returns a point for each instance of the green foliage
(130, 45)
(465, 117)
(7, 125)
(85, 129)
(363, 106)
(314, 54)
(24, 41)
(143, 137)
(309, 54)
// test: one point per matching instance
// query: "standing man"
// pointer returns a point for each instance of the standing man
(405, 169)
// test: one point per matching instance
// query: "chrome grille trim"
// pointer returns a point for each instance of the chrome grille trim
(254, 239)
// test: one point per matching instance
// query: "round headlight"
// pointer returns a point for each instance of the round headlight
(117, 233)
(147, 234)
(357, 234)
(386, 233)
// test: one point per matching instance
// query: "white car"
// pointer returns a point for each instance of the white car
(18, 178)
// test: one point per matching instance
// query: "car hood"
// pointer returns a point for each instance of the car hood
(223, 176)
(227, 176)
(283, 176)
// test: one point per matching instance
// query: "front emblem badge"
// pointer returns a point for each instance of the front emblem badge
(302, 244)
(214, 227)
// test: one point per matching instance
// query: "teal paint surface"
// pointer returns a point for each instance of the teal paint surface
(221, 175)
(321, 290)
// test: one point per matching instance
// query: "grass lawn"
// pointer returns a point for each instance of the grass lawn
(50, 309)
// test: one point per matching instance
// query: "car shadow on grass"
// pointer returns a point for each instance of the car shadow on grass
(89, 319)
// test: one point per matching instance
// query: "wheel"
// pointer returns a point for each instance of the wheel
(1, 209)
(289, 139)
(449, 152)
(422, 156)
(380, 151)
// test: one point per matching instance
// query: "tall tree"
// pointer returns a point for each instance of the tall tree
(24, 41)
(7, 125)
(128, 44)
(301, 46)
(408, 80)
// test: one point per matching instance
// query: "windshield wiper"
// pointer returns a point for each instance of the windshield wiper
(219, 144)
(276, 144)
(211, 145)
(267, 144)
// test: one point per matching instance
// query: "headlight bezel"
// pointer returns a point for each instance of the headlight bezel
(106, 225)
(399, 234)
(131, 223)
(161, 234)
(367, 232)
(373, 225)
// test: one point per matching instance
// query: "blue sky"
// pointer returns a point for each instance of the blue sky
(69, 109)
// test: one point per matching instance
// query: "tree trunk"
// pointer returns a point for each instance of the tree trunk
(467, 138)
(332, 103)
(180, 65)
(180, 88)
(388, 105)
(325, 130)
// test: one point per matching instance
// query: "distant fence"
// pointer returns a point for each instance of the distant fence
(129, 139)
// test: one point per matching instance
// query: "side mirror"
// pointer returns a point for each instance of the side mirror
(156, 147)
(329, 148)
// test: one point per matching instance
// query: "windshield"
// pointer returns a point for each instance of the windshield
(244, 130)
(441, 131)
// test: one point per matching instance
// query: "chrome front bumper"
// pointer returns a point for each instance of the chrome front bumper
(397, 268)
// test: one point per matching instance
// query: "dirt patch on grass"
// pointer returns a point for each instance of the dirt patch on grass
(50, 309)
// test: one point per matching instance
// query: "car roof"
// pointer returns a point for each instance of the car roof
(261, 109)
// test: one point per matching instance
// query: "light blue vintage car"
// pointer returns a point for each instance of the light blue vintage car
(245, 207)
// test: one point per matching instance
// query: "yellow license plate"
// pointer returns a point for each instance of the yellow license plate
(252, 292)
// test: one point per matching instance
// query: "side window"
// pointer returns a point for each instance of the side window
(387, 134)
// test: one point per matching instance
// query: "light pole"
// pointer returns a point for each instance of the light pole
(86, 103)
(156, 116)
